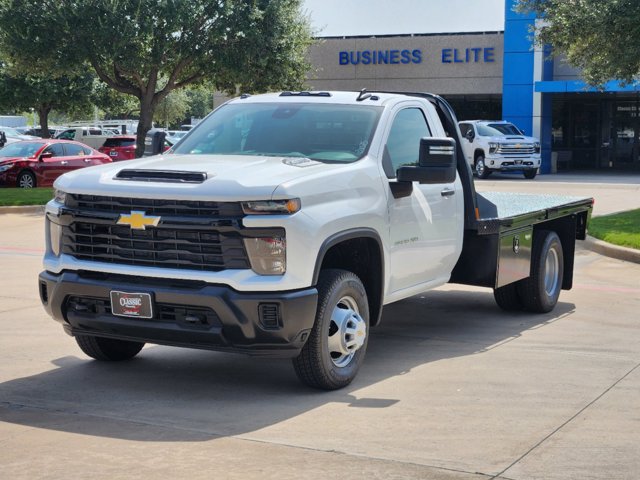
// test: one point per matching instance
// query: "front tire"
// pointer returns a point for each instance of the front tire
(530, 174)
(481, 168)
(337, 344)
(26, 179)
(108, 349)
(540, 291)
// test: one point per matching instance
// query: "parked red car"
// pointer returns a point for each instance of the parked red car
(38, 163)
(122, 147)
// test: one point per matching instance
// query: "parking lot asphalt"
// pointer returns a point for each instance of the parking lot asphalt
(452, 387)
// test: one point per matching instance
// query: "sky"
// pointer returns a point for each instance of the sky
(335, 18)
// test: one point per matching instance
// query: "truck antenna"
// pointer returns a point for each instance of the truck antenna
(363, 95)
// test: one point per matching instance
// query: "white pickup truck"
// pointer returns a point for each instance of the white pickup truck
(496, 145)
(283, 223)
(92, 136)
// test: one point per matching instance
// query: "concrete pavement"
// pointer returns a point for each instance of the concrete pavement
(452, 388)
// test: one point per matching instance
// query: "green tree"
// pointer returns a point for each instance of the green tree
(148, 48)
(112, 103)
(24, 92)
(172, 108)
(200, 101)
(601, 37)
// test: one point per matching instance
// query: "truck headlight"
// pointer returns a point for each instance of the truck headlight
(266, 207)
(536, 147)
(55, 237)
(267, 255)
(493, 147)
(59, 196)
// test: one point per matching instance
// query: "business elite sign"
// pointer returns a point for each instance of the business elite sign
(416, 56)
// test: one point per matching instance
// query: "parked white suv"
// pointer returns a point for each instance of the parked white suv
(496, 145)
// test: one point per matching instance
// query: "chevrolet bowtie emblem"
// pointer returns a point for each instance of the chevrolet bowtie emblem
(138, 220)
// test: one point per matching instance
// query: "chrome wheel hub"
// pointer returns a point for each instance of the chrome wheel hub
(480, 167)
(347, 332)
(26, 181)
(551, 268)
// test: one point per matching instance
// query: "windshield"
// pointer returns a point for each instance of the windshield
(21, 149)
(498, 129)
(324, 132)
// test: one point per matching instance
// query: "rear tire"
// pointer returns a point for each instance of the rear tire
(481, 168)
(530, 174)
(540, 291)
(26, 179)
(508, 298)
(337, 344)
(108, 349)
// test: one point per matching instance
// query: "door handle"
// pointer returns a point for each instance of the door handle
(87, 160)
(447, 192)
(63, 162)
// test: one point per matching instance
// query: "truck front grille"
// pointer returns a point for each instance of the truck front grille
(192, 235)
(152, 206)
(516, 149)
(191, 248)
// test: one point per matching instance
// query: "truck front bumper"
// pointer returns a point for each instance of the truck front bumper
(186, 314)
(494, 162)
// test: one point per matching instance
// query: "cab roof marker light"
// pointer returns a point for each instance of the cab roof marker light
(272, 207)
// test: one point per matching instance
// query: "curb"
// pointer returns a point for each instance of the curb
(23, 209)
(613, 251)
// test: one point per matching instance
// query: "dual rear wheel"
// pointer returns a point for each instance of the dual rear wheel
(540, 291)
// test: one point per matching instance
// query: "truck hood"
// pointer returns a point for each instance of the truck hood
(228, 177)
(512, 139)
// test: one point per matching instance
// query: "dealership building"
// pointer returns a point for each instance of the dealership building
(493, 75)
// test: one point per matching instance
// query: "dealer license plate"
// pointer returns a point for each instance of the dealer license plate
(518, 162)
(126, 304)
(113, 153)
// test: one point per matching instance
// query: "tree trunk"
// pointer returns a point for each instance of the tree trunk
(147, 107)
(43, 114)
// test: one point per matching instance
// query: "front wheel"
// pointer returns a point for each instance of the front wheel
(26, 180)
(337, 345)
(108, 349)
(481, 168)
(530, 174)
(540, 291)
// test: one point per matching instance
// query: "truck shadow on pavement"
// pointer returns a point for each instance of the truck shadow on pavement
(171, 394)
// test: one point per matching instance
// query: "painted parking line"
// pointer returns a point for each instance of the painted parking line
(605, 288)
(22, 249)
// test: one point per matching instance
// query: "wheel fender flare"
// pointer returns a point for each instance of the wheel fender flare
(376, 295)
(343, 236)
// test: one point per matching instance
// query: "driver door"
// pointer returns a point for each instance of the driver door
(425, 226)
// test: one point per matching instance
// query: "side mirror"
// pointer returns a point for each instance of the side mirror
(46, 155)
(436, 163)
(470, 135)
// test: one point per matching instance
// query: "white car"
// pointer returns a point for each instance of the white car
(496, 145)
(12, 135)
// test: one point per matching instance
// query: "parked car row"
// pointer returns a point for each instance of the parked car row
(37, 163)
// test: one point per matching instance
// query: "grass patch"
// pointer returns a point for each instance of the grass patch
(25, 196)
(620, 228)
